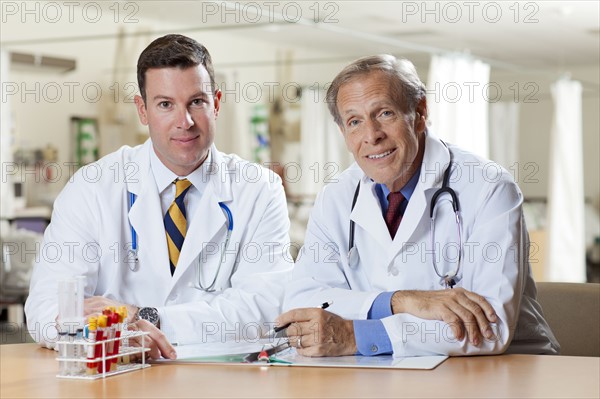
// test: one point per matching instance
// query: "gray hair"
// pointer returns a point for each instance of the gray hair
(407, 88)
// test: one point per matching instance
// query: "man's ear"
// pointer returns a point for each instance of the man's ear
(421, 116)
(217, 102)
(141, 109)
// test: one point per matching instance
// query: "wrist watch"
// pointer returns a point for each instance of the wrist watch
(149, 314)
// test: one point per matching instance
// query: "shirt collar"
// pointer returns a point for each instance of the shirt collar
(164, 176)
(406, 191)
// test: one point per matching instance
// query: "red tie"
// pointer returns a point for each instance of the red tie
(393, 216)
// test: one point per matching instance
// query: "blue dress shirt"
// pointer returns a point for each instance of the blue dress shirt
(370, 334)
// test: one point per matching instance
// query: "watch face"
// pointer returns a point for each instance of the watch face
(150, 314)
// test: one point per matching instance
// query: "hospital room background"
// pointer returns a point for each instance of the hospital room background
(515, 82)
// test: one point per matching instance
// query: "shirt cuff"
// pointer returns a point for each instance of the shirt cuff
(371, 338)
(381, 307)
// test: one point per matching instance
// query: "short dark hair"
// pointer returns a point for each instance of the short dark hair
(173, 51)
(407, 88)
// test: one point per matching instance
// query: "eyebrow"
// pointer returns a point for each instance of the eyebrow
(380, 103)
(162, 97)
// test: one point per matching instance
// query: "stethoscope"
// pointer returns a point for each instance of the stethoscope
(448, 280)
(133, 252)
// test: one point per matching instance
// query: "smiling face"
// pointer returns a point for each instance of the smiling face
(180, 112)
(387, 143)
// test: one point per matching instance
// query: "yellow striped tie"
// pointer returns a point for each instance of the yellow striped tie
(176, 223)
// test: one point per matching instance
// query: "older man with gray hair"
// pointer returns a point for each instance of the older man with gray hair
(419, 251)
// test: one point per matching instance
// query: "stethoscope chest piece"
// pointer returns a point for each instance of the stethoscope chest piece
(449, 281)
(132, 260)
(353, 258)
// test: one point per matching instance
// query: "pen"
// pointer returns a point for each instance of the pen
(272, 332)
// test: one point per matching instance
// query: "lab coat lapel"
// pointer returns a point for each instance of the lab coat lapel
(145, 217)
(435, 160)
(410, 220)
(136, 184)
(367, 214)
(207, 220)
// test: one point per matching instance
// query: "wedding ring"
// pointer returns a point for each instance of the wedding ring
(299, 343)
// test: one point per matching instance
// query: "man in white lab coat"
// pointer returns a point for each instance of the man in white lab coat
(190, 285)
(369, 248)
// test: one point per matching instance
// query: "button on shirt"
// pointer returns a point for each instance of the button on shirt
(370, 334)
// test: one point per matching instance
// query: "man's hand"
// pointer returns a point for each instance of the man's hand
(156, 341)
(96, 304)
(460, 309)
(316, 332)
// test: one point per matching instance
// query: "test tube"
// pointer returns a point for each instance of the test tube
(99, 338)
(81, 283)
(62, 352)
(91, 349)
(124, 341)
(80, 351)
(70, 304)
(109, 334)
(72, 365)
(67, 300)
(64, 298)
(117, 335)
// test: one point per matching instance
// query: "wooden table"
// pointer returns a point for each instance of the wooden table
(27, 370)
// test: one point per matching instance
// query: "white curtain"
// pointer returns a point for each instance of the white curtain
(323, 152)
(504, 133)
(566, 230)
(6, 145)
(458, 93)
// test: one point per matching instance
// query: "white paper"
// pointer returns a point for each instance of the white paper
(227, 348)
(230, 351)
(381, 361)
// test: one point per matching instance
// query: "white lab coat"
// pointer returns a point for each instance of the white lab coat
(495, 256)
(91, 230)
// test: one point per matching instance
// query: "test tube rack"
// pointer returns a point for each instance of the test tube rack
(77, 366)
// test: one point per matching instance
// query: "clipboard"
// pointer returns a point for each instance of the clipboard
(232, 352)
(292, 358)
(280, 354)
